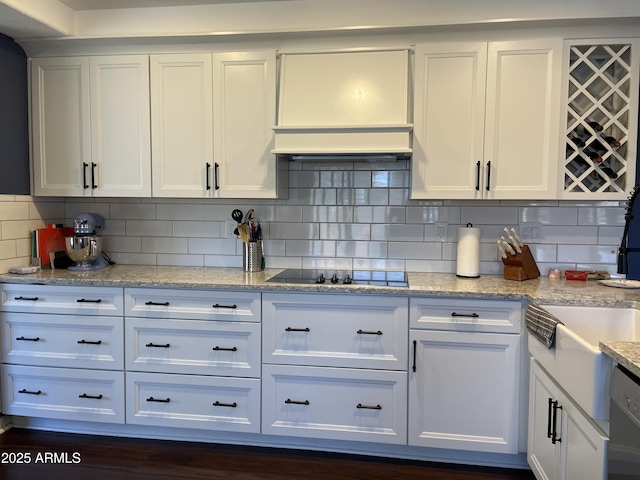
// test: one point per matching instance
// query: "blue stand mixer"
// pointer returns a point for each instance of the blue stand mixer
(85, 247)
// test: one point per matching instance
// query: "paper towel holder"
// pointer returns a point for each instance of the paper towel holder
(476, 274)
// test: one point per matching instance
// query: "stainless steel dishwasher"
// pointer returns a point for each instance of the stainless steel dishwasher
(623, 450)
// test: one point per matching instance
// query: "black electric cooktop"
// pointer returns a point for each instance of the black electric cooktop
(342, 277)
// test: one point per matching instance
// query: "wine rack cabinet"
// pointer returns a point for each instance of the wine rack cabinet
(602, 114)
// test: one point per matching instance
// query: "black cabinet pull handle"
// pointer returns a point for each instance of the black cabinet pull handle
(291, 329)
(85, 185)
(85, 342)
(216, 176)
(549, 408)
(466, 315)
(220, 404)
(478, 176)
(93, 397)
(488, 176)
(554, 436)
(369, 407)
(159, 304)
(155, 345)
(159, 400)
(225, 349)
(288, 401)
(217, 305)
(415, 351)
(28, 299)
(26, 339)
(24, 390)
(93, 175)
(208, 169)
(84, 300)
(365, 332)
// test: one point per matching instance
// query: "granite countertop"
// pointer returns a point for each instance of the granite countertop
(540, 290)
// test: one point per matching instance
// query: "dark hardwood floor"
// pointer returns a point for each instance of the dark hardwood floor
(110, 458)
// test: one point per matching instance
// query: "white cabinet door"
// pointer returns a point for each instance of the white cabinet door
(487, 120)
(449, 121)
(244, 109)
(181, 125)
(542, 454)
(523, 119)
(120, 126)
(463, 391)
(335, 403)
(61, 126)
(563, 442)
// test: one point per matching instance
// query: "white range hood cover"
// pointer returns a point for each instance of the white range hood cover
(344, 103)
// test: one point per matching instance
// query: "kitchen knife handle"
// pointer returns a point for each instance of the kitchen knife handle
(216, 173)
(85, 185)
(93, 175)
(207, 176)
(478, 176)
(488, 175)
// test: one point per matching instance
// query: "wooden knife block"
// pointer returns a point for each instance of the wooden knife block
(520, 266)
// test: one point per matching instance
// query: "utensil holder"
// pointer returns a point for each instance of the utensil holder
(252, 256)
(520, 266)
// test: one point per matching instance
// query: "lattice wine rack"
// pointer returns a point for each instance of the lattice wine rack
(599, 119)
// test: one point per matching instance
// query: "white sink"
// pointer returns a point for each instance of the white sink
(576, 361)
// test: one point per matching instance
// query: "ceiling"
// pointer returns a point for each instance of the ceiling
(112, 4)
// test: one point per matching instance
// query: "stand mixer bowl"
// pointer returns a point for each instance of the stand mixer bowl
(83, 250)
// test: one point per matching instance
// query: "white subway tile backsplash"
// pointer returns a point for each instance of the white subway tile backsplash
(149, 228)
(345, 231)
(337, 215)
(179, 212)
(129, 211)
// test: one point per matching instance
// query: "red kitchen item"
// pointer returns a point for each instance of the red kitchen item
(51, 239)
(575, 275)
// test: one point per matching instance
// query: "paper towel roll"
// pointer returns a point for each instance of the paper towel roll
(468, 264)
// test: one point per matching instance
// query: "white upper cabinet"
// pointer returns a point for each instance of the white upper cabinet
(244, 111)
(486, 120)
(91, 131)
(182, 125)
(211, 118)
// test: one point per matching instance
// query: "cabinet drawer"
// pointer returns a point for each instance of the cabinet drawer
(61, 299)
(192, 304)
(466, 315)
(191, 401)
(62, 340)
(63, 393)
(202, 347)
(335, 403)
(360, 331)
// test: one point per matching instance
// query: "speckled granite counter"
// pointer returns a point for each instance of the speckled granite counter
(542, 290)
(626, 354)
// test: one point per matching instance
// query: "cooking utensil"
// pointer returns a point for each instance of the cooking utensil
(507, 246)
(236, 214)
(243, 230)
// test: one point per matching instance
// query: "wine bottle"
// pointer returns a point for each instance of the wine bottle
(593, 155)
(612, 141)
(582, 130)
(610, 173)
(577, 141)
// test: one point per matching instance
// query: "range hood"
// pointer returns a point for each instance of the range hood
(344, 105)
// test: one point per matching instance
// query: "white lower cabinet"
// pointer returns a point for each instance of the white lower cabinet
(193, 401)
(334, 366)
(335, 403)
(563, 443)
(463, 378)
(193, 359)
(63, 393)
